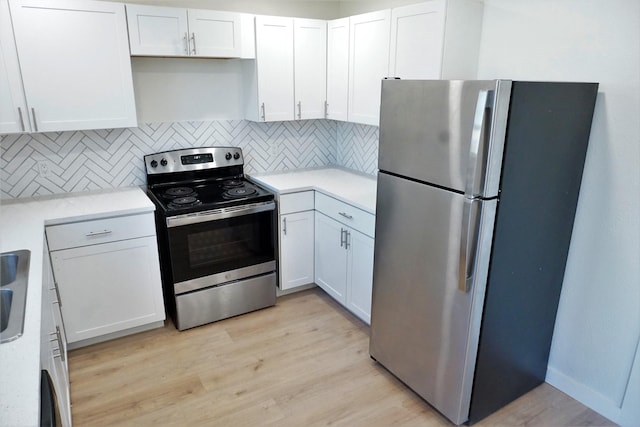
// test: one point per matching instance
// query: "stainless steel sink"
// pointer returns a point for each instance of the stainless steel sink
(14, 277)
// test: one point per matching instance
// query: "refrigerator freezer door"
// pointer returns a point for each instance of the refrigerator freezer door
(448, 133)
(424, 329)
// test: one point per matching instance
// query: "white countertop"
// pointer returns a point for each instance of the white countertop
(22, 224)
(349, 186)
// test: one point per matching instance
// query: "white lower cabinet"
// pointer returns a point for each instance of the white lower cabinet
(108, 277)
(296, 249)
(296, 239)
(344, 255)
(53, 351)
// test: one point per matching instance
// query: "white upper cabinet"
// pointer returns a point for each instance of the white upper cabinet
(368, 64)
(417, 34)
(75, 64)
(214, 34)
(155, 30)
(169, 31)
(438, 39)
(337, 68)
(310, 68)
(13, 106)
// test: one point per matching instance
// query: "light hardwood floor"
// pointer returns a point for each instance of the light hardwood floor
(304, 362)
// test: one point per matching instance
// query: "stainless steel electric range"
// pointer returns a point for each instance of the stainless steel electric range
(216, 234)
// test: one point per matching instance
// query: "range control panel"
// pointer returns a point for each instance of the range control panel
(190, 159)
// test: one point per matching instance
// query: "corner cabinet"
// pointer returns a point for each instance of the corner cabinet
(368, 64)
(296, 239)
(170, 31)
(108, 277)
(344, 254)
(287, 80)
(337, 69)
(75, 64)
(310, 68)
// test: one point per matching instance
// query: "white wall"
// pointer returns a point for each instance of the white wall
(598, 324)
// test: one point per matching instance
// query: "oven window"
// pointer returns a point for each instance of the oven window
(206, 248)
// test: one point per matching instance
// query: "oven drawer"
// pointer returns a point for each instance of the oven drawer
(296, 202)
(220, 302)
(346, 214)
(98, 231)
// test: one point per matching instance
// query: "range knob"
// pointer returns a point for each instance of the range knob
(154, 164)
(163, 162)
(227, 156)
(236, 155)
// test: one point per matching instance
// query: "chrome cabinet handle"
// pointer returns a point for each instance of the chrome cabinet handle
(98, 233)
(58, 300)
(186, 43)
(342, 237)
(21, 119)
(35, 122)
(347, 239)
(60, 346)
(193, 39)
(264, 114)
(284, 226)
(346, 215)
(299, 110)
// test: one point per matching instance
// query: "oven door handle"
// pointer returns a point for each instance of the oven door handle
(223, 213)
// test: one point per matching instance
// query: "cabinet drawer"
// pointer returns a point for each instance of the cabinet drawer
(296, 202)
(345, 213)
(98, 231)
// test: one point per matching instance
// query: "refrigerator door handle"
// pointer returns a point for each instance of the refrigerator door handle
(468, 243)
(476, 137)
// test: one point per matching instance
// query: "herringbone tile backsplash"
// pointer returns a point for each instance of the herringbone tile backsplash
(50, 163)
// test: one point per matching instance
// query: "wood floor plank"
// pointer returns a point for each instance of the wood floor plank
(304, 362)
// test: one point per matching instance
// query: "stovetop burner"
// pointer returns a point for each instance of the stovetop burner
(232, 183)
(239, 192)
(184, 202)
(175, 192)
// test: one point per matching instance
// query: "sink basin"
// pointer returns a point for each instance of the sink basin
(14, 277)
(8, 268)
(6, 296)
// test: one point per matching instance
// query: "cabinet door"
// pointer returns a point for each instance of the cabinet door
(274, 62)
(109, 287)
(337, 68)
(54, 333)
(13, 106)
(310, 67)
(359, 274)
(214, 33)
(296, 249)
(75, 63)
(368, 64)
(417, 37)
(331, 257)
(155, 30)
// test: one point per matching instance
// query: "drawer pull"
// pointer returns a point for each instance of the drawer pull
(346, 215)
(98, 233)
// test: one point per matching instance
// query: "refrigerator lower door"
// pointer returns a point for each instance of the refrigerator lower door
(424, 325)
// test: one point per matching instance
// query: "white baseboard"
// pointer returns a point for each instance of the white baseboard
(583, 394)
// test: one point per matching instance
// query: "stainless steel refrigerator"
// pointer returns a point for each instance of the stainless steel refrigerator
(477, 190)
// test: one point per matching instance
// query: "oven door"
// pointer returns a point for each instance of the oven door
(214, 247)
